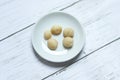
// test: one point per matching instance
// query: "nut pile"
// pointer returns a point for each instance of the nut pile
(52, 43)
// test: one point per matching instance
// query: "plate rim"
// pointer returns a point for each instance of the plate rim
(37, 22)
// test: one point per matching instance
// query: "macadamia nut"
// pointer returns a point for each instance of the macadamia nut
(68, 32)
(52, 44)
(56, 29)
(68, 42)
(47, 34)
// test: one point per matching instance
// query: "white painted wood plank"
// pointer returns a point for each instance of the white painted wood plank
(102, 65)
(17, 60)
(17, 14)
(100, 20)
(103, 17)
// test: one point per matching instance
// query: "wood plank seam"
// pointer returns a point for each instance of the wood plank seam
(17, 31)
(70, 5)
(34, 23)
(76, 60)
(83, 57)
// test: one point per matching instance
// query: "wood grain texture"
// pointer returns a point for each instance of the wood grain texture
(102, 65)
(106, 17)
(98, 17)
(16, 15)
(18, 60)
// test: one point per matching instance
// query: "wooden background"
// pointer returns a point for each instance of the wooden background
(100, 59)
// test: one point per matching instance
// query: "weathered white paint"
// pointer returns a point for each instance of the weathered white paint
(102, 65)
(100, 19)
(17, 14)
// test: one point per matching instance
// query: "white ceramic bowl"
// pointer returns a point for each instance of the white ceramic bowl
(60, 54)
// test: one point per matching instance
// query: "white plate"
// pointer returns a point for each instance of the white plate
(60, 54)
